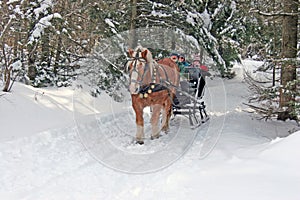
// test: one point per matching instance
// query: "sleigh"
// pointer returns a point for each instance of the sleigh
(189, 97)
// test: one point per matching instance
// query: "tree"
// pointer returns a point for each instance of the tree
(133, 39)
(11, 42)
(211, 23)
(280, 96)
(289, 63)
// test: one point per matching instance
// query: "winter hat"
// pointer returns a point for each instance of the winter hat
(196, 57)
(181, 55)
(204, 68)
(174, 54)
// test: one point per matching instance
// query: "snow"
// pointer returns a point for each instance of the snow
(190, 18)
(64, 144)
(109, 22)
(41, 25)
(11, 1)
(17, 65)
(112, 27)
(159, 14)
(18, 11)
(44, 5)
(27, 110)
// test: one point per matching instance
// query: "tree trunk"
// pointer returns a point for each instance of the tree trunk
(32, 71)
(7, 73)
(289, 54)
(57, 55)
(133, 36)
(201, 56)
(45, 54)
(173, 42)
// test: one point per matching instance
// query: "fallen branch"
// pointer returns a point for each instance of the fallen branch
(265, 113)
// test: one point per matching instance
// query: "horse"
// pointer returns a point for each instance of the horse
(151, 84)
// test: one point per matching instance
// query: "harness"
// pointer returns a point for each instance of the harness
(151, 88)
(144, 90)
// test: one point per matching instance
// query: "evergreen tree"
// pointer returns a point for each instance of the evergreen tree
(289, 54)
(279, 97)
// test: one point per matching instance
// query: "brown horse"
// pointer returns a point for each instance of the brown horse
(153, 85)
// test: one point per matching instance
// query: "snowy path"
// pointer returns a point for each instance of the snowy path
(76, 162)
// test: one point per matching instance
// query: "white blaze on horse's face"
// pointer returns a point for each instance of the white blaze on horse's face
(136, 68)
(134, 86)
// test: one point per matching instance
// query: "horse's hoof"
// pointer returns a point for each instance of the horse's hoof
(166, 130)
(140, 142)
(154, 137)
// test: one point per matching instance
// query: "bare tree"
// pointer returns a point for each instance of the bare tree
(7, 70)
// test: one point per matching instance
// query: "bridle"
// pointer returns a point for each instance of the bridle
(136, 84)
(134, 75)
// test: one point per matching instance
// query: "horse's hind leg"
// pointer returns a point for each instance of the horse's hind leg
(139, 124)
(154, 121)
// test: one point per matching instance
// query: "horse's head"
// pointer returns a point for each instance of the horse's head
(140, 61)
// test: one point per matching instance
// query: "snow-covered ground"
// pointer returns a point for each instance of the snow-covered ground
(64, 144)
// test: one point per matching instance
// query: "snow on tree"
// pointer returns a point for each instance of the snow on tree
(41, 25)
(279, 96)
(199, 20)
(49, 37)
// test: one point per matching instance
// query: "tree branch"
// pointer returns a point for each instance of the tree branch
(272, 14)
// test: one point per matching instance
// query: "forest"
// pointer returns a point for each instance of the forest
(48, 43)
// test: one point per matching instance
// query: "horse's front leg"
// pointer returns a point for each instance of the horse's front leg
(166, 115)
(139, 124)
(154, 121)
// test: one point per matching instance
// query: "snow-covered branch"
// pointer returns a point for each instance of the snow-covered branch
(273, 14)
(41, 26)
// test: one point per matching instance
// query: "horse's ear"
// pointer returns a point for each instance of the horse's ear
(144, 54)
(130, 52)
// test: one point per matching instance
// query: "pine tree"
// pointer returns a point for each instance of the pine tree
(289, 63)
(278, 97)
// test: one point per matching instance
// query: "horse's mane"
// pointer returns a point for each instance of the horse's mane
(149, 56)
(168, 62)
